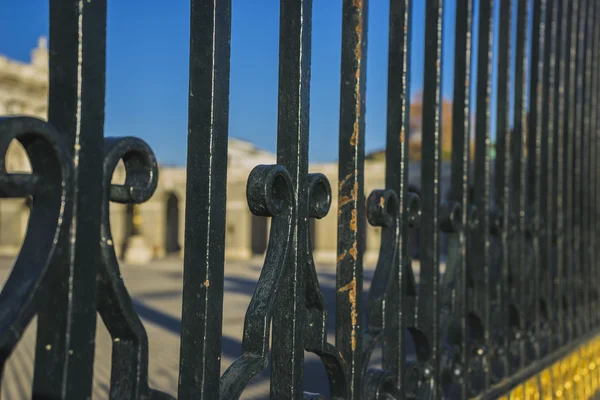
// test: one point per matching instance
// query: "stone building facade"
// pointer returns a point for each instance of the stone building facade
(159, 223)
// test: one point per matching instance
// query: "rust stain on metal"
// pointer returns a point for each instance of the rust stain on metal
(351, 289)
(353, 196)
(355, 188)
(354, 137)
(402, 136)
(381, 202)
(207, 283)
(343, 181)
(358, 57)
(354, 220)
(344, 200)
(358, 29)
(354, 251)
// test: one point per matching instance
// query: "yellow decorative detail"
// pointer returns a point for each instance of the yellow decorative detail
(137, 218)
(574, 377)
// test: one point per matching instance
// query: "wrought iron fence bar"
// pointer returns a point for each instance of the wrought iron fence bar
(560, 185)
(534, 177)
(595, 164)
(520, 270)
(569, 147)
(596, 134)
(292, 153)
(67, 316)
(455, 307)
(479, 249)
(206, 186)
(551, 215)
(351, 203)
(502, 168)
(396, 176)
(546, 132)
(591, 168)
(586, 181)
(590, 219)
(578, 160)
(428, 301)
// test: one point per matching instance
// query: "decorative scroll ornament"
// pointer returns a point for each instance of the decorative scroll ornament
(50, 186)
(129, 374)
(319, 202)
(270, 194)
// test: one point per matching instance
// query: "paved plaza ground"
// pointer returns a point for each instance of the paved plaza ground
(156, 292)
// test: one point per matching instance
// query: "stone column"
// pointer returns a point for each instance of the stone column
(238, 237)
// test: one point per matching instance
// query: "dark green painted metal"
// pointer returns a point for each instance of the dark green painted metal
(519, 290)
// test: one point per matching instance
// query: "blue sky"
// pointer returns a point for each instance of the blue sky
(147, 69)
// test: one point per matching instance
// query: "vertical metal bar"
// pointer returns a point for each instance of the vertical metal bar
(569, 142)
(428, 298)
(398, 120)
(454, 304)
(67, 318)
(480, 239)
(546, 128)
(585, 182)
(594, 166)
(502, 168)
(351, 203)
(596, 134)
(518, 174)
(206, 186)
(534, 164)
(292, 152)
(559, 177)
(578, 160)
(592, 143)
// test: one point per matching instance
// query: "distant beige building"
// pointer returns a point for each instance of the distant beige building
(160, 221)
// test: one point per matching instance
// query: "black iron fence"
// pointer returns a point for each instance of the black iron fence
(514, 314)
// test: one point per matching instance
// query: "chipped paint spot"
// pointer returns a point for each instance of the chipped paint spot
(343, 181)
(344, 200)
(207, 283)
(358, 56)
(341, 256)
(354, 220)
(354, 137)
(354, 251)
(355, 189)
(402, 136)
(381, 202)
(351, 289)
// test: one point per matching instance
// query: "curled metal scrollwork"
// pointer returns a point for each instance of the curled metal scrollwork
(270, 194)
(129, 374)
(383, 210)
(50, 187)
(319, 196)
